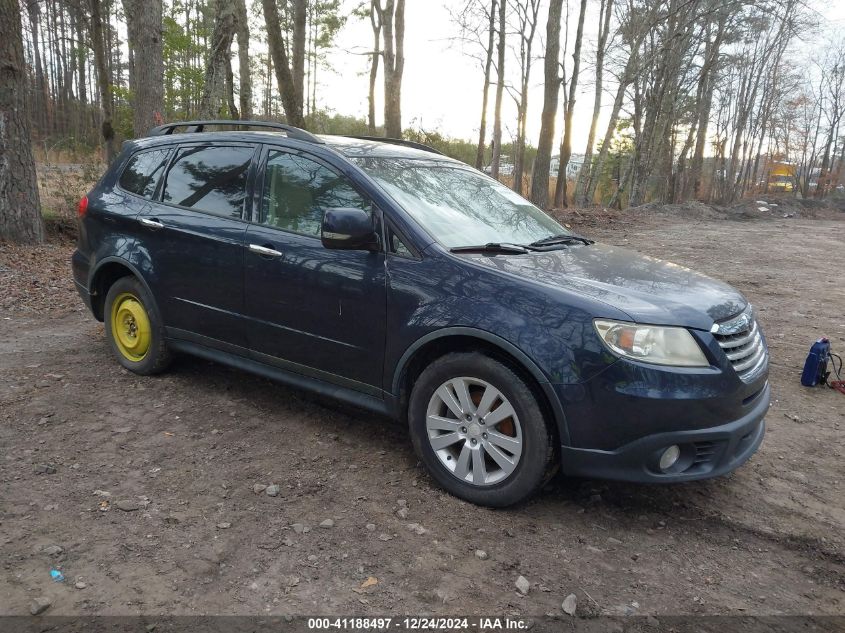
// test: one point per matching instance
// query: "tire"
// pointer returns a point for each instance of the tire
(134, 329)
(441, 440)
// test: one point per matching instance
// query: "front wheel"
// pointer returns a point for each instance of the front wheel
(478, 428)
(133, 328)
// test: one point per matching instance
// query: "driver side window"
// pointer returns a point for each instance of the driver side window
(297, 191)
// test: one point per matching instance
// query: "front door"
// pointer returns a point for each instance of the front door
(194, 234)
(312, 310)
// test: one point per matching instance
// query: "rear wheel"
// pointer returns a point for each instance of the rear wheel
(479, 429)
(133, 328)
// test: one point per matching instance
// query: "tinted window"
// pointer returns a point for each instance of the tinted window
(297, 191)
(210, 179)
(143, 171)
(396, 245)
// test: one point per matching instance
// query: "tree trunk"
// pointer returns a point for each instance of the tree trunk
(144, 30)
(488, 62)
(291, 97)
(566, 144)
(604, 149)
(703, 115)
(230, 91)
(375, 22)
(214, 93)
(500, 90)
(393, 26)
(20, 207)
(540, 173)
(244, 71)
(583, 184)
(528, 28)
(103, 80)
(298, 41)
(40, 103)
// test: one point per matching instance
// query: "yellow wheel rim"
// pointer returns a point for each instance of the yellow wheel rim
(130, 327)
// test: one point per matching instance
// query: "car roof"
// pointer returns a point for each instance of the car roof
(347, 146)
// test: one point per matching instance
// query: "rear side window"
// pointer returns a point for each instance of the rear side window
(209, 179)
(297, 191)
(141, 174)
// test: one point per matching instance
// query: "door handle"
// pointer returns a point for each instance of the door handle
(264, 250)
(153, 224)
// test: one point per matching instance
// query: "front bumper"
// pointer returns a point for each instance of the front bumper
(705, 453)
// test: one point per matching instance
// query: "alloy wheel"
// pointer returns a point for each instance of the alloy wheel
(474, 431)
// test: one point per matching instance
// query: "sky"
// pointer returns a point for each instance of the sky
(442, 83)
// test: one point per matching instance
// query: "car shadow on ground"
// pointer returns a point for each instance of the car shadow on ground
(325, 416)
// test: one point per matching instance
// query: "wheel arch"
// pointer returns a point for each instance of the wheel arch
(108, 271)
(462, 339)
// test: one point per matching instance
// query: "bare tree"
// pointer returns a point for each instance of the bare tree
(569, 110)
(551, 64)
(103, 80)
(833, 69)
(707, 84)
(633, 29)
(584, 176)
(527, 19)
(392, 17)
(477, 23)
(375, 56)
(496, 160)
(20, 207)
(488, 62)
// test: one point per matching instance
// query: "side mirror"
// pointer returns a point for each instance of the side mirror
(349, 229)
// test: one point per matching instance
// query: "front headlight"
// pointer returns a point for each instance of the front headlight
(652, 343)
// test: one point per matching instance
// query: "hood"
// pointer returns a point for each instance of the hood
(649, 290)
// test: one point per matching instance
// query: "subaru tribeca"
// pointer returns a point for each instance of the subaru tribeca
(385, 275)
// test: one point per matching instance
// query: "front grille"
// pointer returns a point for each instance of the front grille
(742, 341)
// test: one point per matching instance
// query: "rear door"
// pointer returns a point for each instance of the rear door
(194, 233)
(312, 310)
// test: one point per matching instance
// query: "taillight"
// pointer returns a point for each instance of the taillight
(82, 209)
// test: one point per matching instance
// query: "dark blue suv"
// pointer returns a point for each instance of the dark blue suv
(385, 275)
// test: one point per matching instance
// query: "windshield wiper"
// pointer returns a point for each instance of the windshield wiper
(563, 238)
(492, 247)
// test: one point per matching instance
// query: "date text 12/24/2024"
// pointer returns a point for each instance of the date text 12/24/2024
(417, 624)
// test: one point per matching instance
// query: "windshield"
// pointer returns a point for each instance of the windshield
(458, 205)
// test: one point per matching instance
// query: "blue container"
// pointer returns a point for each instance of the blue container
(815, 367)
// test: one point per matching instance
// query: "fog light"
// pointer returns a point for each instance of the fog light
(669, 457)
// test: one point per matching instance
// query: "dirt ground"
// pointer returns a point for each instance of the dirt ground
(182, 453)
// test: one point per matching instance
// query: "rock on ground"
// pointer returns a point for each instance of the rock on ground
(40, 605)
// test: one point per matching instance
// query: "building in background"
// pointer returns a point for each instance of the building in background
(576, 161)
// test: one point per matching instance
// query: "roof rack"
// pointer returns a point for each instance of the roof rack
(399, 141)
(199, 126)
